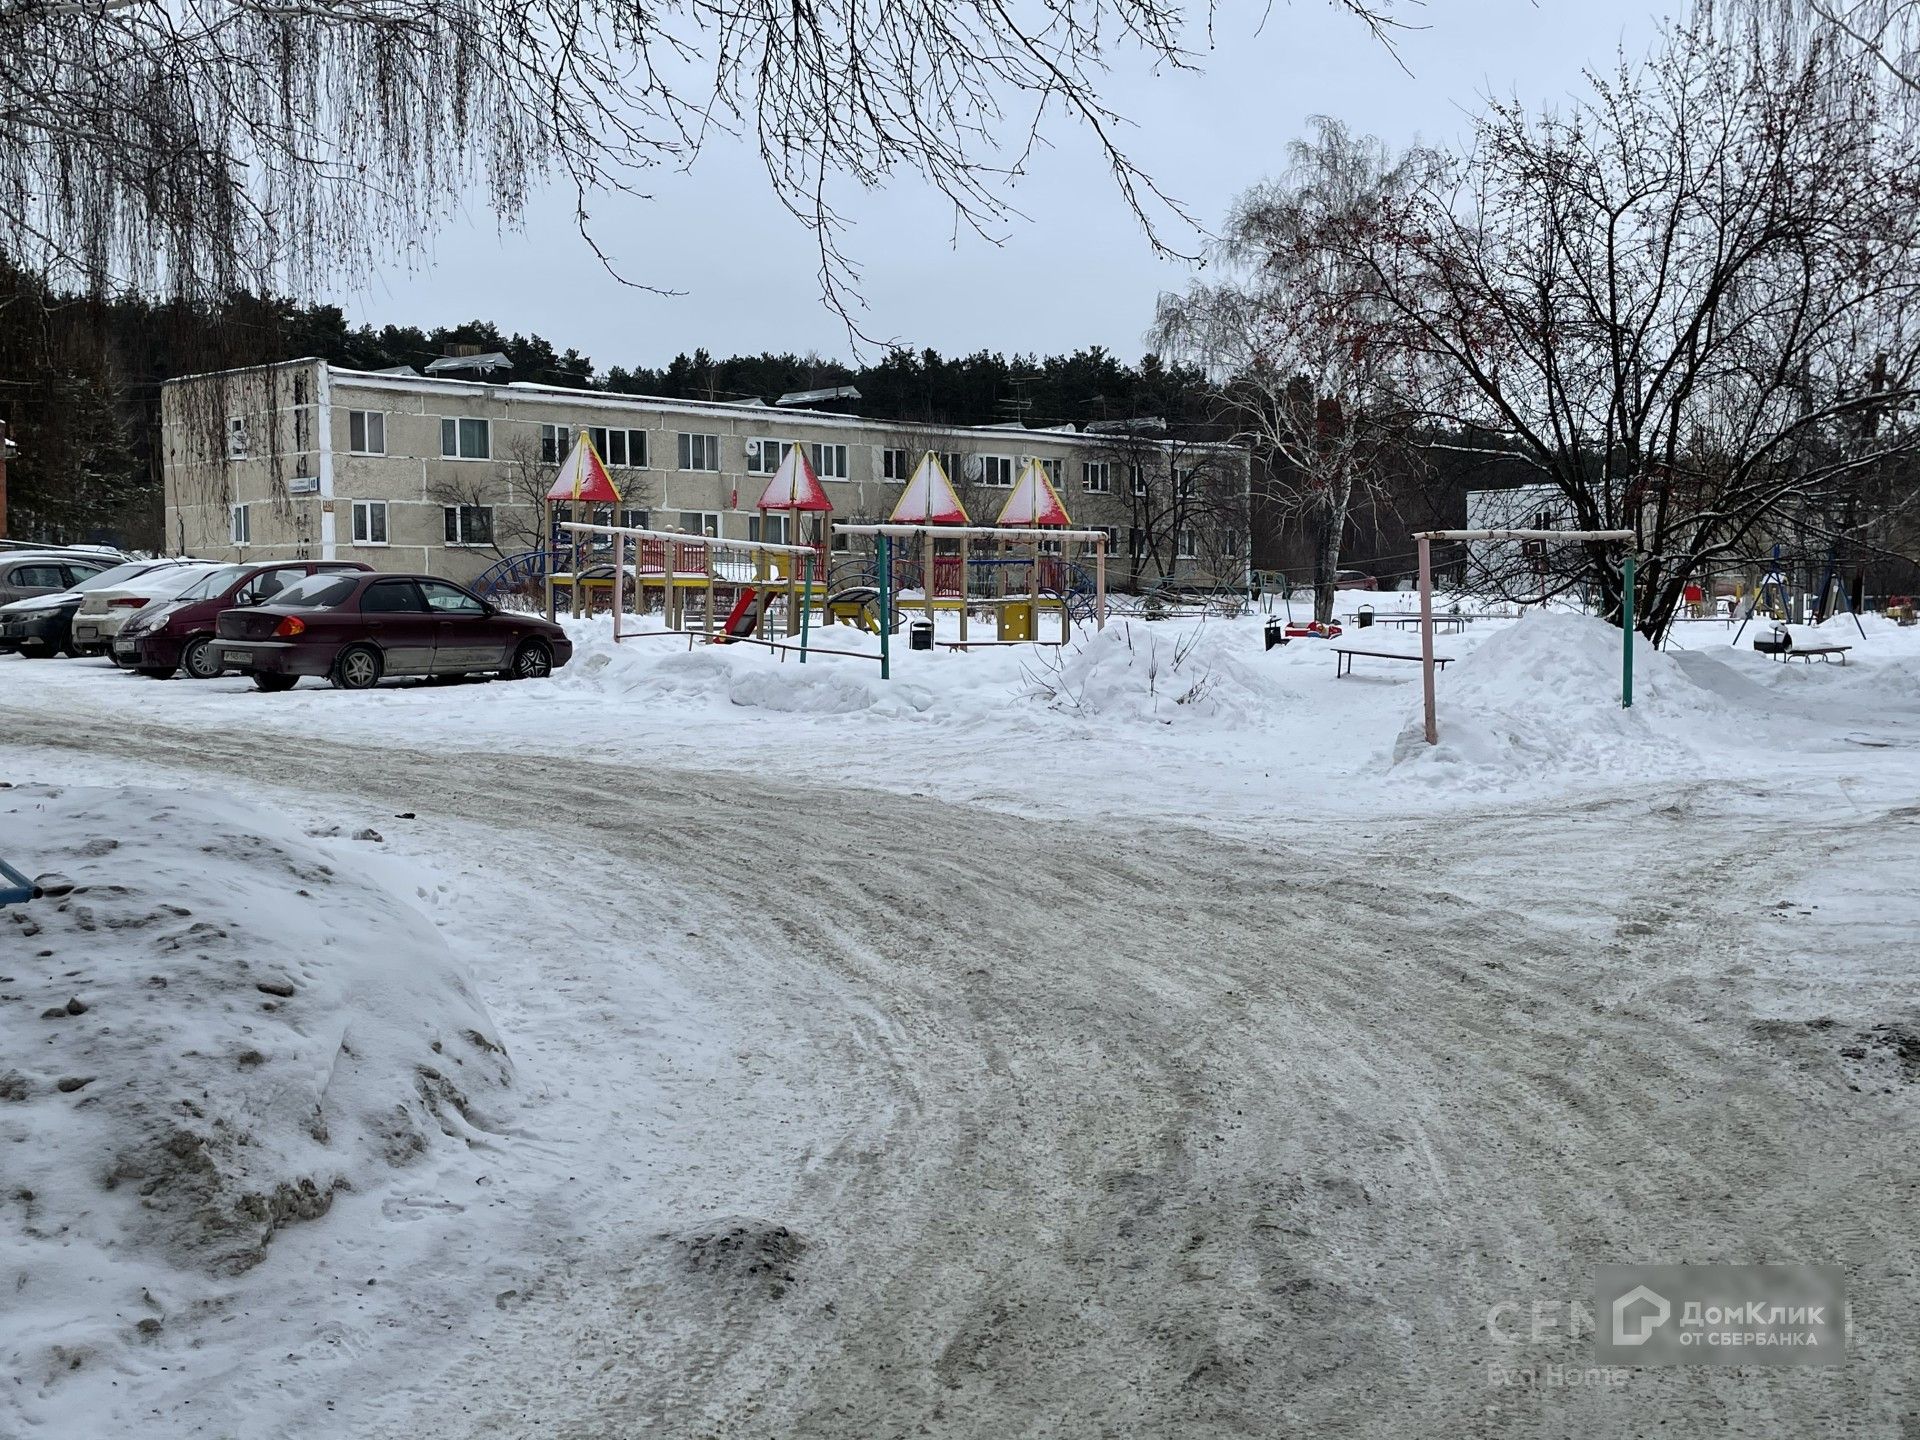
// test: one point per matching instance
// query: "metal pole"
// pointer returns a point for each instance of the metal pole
(619, 581)
(1426, 636)
(1626, 633)
(806, 610)
(886, 607)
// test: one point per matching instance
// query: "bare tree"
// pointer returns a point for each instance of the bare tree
(199, 146)
(1685, 303)
(1295, 337)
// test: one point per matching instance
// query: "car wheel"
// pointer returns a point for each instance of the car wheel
(272, 684)
(200, 660)
(357, 668)
(154, 672)
(532, 661)
(118, 663)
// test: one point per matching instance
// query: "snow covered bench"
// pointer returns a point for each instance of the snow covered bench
(1343, 658)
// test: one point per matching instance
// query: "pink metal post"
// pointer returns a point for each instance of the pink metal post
(1426, 635)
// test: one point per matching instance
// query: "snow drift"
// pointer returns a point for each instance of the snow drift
(214, 1033)
(1543, 695)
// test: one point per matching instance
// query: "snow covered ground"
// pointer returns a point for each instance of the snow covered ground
(1155, 1039)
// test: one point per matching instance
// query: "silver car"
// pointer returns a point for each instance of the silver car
(25, 573)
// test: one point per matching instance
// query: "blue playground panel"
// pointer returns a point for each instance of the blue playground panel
(15, 888)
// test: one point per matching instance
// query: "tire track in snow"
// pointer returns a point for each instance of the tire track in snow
(1177, 1135)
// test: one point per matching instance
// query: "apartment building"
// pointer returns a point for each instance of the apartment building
(444, 475)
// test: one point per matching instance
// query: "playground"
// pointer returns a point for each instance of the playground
(801, 1032)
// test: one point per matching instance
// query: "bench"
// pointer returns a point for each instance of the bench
(1412, 622)
(1825, 652)
(1343, 658)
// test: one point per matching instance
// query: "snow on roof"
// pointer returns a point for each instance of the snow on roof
(1034, 501)
(929, 498)
(794, 485)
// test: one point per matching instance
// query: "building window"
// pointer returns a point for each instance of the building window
(953, 463)
(239, 525)
(772, 530)
(1184, 549)
(830, 462)
(553, 441)
(699, 452)
(1186, 478)
(1097, 476)
(236, 437)
(1050, 468)
(634, 520)
(995, 470)
(469, 524)
(896, 464)
(465, 438)
(764, 456)
(620, 447)
(369, 522)
(701, 522)
(1137, 544)
(1139, 481)
(367, 432)
(1112, 532)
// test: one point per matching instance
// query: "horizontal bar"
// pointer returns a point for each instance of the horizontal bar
(682, 537)
(972, 532)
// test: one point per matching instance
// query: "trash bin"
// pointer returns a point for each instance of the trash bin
(920, 635)
(1276, 632)
(1365, 617)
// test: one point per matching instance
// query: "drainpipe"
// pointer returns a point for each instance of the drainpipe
(323, 396)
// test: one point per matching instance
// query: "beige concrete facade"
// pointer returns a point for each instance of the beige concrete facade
(308, 460)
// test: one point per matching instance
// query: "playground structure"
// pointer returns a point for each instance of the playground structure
(1424, 541)
(1028, 567)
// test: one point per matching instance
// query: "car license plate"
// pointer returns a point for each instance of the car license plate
(124, 647)
(86, 632)
(234, 657)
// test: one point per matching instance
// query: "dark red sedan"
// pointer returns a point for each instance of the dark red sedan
(178, 634)
(359, 629)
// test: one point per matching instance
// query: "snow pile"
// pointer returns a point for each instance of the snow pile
(1163, 674)
(217, 1030)
(749, 676)
(1543, 696)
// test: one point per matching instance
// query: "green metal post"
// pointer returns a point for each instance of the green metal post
(806, 608)
(886, 606)
(1626, 631)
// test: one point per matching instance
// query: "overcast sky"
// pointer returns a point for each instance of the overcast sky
(1078, 271)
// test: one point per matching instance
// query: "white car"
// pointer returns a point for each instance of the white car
(104, 611)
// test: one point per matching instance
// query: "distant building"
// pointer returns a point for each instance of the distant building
(443, 475)
(1519, 569)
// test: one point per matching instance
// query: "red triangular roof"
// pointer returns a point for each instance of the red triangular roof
(929, 498)
(583, 477)
(1033, 501)
(794, 485)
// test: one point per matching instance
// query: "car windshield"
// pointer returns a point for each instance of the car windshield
(166, 582)
(218, 581)
(317, 592)
(114, 576)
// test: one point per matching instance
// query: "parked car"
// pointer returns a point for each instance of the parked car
(43, 624)
(1354, 580)
(102, 612)
(25, 573)
(358, 629)
(178, 634)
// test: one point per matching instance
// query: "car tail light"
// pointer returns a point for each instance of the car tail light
(127, 602)
(292, 625)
